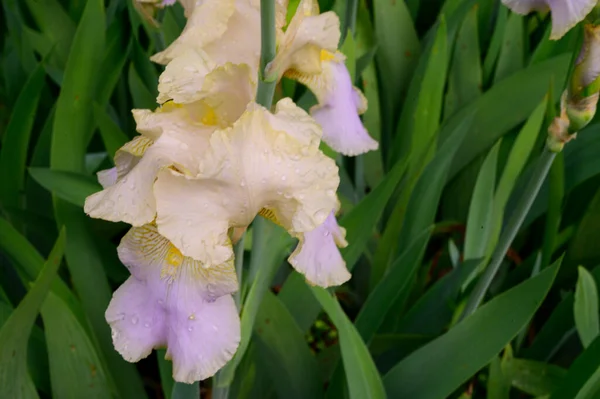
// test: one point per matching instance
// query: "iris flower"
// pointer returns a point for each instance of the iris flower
(173, 301)
(565, 13)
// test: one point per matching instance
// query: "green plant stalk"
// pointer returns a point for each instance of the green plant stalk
(557, 188)
(238, 250)
(516, 220)
(266, 87)
(264, 97)
(185, 391)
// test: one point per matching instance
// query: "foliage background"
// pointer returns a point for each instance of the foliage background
(460, 96)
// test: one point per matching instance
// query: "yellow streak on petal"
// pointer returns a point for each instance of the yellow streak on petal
(210, 117)
(327, 55)
(269, 214)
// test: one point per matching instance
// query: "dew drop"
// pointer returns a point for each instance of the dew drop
(192, 317)
(243, 183)
(283, 178)
(326, 233)
(134, 320)
(320, 215)
(215, 328)
(147, 325)
(331, 193)
(190, 328)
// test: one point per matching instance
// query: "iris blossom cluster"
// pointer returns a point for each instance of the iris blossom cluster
(210, 159)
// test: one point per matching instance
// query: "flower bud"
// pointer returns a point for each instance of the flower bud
(581, 112)
(585, 80)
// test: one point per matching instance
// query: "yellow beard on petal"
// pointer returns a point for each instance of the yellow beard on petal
(327, 55)
(174, 259)
(270, 215)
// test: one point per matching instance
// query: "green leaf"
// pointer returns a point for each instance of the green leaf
(495, 44)
(278, 242)
(299, 300)
(583, 378)
(75, 368)
(112, 135)
(532, 377)
(54, 22)
(165, 368)
(472, 343)
(503, 107)
(479, 227)
(586, 307)
(416, 208)
(362, 219)
(73, 126)
(394, 286)
(398, 51)
(185, 391)
(292, 367)
(583, 248)
(14, 335)
(28, 262)
(362, 376)
(70, 186)
(519, 154)
(498, 386)
(142, 97)
(429, 104)
(512, 50)
(434, 310)
(465, 75)
(15, 143)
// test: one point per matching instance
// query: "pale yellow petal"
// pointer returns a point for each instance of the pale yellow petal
(207, 22)
(305, 38)
(263, 161)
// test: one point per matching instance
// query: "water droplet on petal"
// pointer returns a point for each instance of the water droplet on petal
(192, 317)
(134, 320)
(243, 183)
(147, 325)
(326, 233)
(320, 215)
(215, 328)
(283, 178)
(331, 193)
(190, 328)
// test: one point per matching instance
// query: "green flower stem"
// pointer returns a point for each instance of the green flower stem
(507, 237)
(266, 88)
(238, 250)
(264, 97)
(186, 391)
